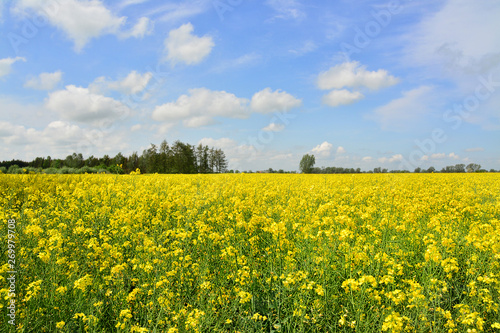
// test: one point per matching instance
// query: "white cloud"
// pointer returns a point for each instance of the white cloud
(440, 156)
(81, 21)
(136, 127)
(487, 114)
(58, 139)
(367, 159)
(323, 149)
(243, 156)
(273, 127)
(7, 129)
(200, 106)
(352, 74)
(393, 158)
(79, 104)
(126, 3)
(199, 121)
(287, 9)
(267, 101)
(307, 47)
(476, 149)
(142, 28)
(402, 113)
(342, 97)
(172, 12)
(44, 81)
(6, 63)
(470, 41)
(222, 143)
(133, 83)
(462, 54)
(341, 150)
(182, 46)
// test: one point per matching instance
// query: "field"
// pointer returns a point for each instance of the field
(249, 253)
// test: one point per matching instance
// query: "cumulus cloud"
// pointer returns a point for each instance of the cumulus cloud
(200, 106)
(341, 150)
(393, 158)
(58, 137)
(401, 114)
(82, 21)
(142, 28)
(133, 83)
(244, 156)
(199, 121)
(267, 101)
(342, 97)
(354, 75)
(81, 105)
(6, 63)
(440, 156)
(367, 159)
(323, 149)
(183, 46)
(44, 81)
(273, 127)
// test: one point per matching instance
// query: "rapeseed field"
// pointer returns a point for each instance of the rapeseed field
(251, 253)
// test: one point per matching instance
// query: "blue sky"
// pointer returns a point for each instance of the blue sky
(397, 84)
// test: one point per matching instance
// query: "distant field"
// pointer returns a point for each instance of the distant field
(250, 252)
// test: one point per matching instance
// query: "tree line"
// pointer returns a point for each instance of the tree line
(307, 166)
(177, 158)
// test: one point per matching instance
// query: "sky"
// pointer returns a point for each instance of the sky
(395, 84)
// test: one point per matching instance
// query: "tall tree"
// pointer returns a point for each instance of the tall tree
(473, 167)
(220, 161)
(307, 163)
(133, 162)
(164, 157)
(119, 159)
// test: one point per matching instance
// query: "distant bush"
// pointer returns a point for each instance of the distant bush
(86, 169)
(51, 171)
(66, 170)
(15, 169)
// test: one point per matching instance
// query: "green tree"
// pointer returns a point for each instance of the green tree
(220, 161)
(473, 167)
(307, 163)
(164, 157)
(133, 162)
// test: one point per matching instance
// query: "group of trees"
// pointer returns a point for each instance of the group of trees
(178, 158)
(307, 166)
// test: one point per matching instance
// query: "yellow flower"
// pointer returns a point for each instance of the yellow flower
(83, 282)
(60, 324)
(61, 290)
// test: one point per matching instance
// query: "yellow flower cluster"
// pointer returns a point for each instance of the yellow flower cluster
(247, 253)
